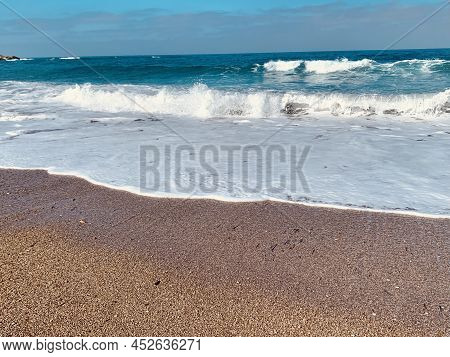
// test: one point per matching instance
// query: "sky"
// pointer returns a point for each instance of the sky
(118, 27)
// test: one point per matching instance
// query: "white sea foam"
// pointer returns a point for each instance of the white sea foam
(346, 169)
(383, 164)
(11, 116)
(69, 58)
(224, 198)
(281, 66)
(204, 102)
(14, 133)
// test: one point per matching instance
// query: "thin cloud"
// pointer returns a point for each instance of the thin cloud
(333, 26)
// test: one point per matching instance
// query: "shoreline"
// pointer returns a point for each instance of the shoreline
(83, 259)
(222, 199)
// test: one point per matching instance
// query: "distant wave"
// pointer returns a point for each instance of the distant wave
(426, 65)
(69, 58)
(429, 62)
(343, 64)
(204, 102)
(18, 59)
(318, 66)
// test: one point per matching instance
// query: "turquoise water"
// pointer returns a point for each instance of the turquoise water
(390, 72)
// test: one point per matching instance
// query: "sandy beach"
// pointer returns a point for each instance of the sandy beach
(83, 260)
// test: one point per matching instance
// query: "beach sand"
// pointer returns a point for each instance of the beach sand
(78, 259)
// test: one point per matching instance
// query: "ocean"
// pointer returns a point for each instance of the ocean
(374, 127)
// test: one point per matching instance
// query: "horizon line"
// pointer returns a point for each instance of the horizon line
(249, 53)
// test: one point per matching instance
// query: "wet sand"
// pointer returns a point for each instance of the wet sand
(83, 260)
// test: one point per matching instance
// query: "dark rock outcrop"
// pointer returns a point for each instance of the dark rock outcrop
(8, 58)
(295, 108)
(391, 112)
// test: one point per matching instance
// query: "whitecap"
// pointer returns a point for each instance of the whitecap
(425, 65)
(339, 65)
(281, 66)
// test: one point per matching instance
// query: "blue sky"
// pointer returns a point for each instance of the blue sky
(45, 8)
(118, 27)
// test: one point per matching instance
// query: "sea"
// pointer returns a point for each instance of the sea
(364, 130)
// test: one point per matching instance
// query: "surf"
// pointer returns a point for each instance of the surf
(202, 101)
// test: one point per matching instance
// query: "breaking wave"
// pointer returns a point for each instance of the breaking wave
(343, 64)
(318, 66)
(204, 102)
(281, 66)
(322, 67)
(426, 65)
